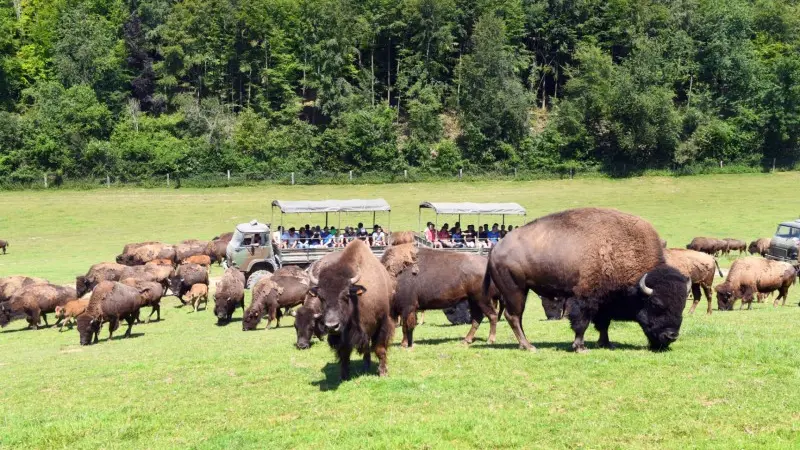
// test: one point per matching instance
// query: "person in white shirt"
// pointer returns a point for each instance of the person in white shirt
(378, 237)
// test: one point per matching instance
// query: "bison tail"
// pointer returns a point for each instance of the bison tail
(487, 279)
(716, 263)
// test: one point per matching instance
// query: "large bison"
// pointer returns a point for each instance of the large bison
(185, 276)
(272, 294)
(99, 272)
(229, 295)
(699, 268)
(751, 276)
(608, 264)
(156, 273)
(11, 285)
(35, 301)
(111, 301)
(435, 285)
(356, 293)
(138, 254)
(190, 248)
(151, 292)
(759, 246)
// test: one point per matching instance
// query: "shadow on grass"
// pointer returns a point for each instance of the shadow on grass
(225, 324)
(122, 337)
(567, 346)
(437, 341)
(28, 328)
(332, 379)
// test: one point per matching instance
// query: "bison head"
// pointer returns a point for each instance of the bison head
(224, 307)
(725, 297)
(252, 317)
(88, 327)
(82, 285)
(663, 292)
(553, 308)
(174, 283)
(338, 298)
(308, 323)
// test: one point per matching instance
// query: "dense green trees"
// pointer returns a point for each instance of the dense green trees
(140, 88)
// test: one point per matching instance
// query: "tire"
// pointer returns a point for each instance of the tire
(459, 314)
(255, 276)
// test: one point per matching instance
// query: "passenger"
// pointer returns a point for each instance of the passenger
(338, 239)
(483, 238)
(285, 239)
(493, 235)
(316, 238)
(256, 240)
(349, 235)
(430, 235)
(444, 237)
(378, 237)
(457, 225)
(362, 233)
(510, 228)
(502, 231)
(469, 236)
(327, 237)
(292, 238)
(303, 238)
(458, 238)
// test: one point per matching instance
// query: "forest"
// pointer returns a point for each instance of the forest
(139, 88)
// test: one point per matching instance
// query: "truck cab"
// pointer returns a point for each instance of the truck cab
(784, 245)
(251, 251)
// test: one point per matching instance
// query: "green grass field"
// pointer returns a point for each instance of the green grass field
(730, 381)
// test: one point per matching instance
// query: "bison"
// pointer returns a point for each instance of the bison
(356, 292)
(201, 260)
(3, 245)
(224, 237)
(308, 322)
(185, 276)
(751, 276)
(111, 301)
(198, 293)
(229, 295)
(99, 272)
(160, 262)
(760, 246)
(609, 265)
(711, 246)
(699, 268)
(217, 250)
(139, 254)
(272, 294)
(35, 301)
(11, 285)
(155, 273)
(435, 286)
(151, 291)
(190, 248)
(735, 245)
(70, 311)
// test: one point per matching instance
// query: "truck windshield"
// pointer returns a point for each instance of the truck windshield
(237, 238)
(787, 232)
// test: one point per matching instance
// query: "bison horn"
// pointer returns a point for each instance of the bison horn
(357, 277)
(314, 280)
(645, 290)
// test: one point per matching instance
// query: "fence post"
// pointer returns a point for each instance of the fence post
(292, 178)
(773, 165)
(405, 173)
(460, 173)
(229, 174)
(570, 173)
(45, 181)
(351, 175)
(108, 181)
(515, 172)
(720, 164)
(167, 180)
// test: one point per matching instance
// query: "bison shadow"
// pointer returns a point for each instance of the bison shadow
(122, 337)
(332, 370)
(437, 341)
(225, 324)
(567, 346)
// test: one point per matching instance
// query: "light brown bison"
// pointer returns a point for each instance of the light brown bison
(160, 262)
(760, 246)
(401, 237)
(3, 245)
(138, 254)
(198, 293)
(272, 294)
(224, 237)
(229, 295)
(752, 275)
(202, 260)
(436, 286)
(608, 264)
(185, 276)
(190, 248)
(11, 285)
(69, 313)
(35, 301)
(151, 291)
(699, 268)
(111, 301)
(106, 271)
(356, 293)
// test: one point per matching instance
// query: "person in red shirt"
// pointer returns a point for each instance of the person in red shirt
(444, 237)
(430, 235)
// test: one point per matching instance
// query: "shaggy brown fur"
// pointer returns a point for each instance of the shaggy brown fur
(356, 292)
(111, 301)
(198, 293)
(106, 271)
(160, 262)
(155, 273)
(151, 291)
(191, 248)
(202, 260)
(596, 258)
(229, 295)
(698, 267)
(3, 245)
(276, 293)
(138, 254)
(308, 322)
(760, 246)
(401, 237)
(217, 250)
(68, 313)
(399, 257)
(10, 285)
(734, 245)
(224, 237)
(437, 286)
(711, 246)
(752, 275)
(185, 276)
(35, 301)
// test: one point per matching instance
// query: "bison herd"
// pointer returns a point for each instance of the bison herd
(592, 265)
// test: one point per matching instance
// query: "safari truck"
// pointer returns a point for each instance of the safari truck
(256, 249)
(784, 245)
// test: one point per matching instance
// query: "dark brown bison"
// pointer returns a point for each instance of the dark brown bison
(711, 246)
(308, 322)
(35, 301)
(155, 273)
(699, 268)
(111, 301)
(760, 246)
(11, 285)
(229, 295)
(190, 248)
(224, 237)
(151, 291)
(99, 272)
(751, 276)
(735, 245)
(217, 250)
(185, 276)
(436, 286)
(554, 308)
(138, 254)
(272, 294)
(356, 293)
(609, 265)
(3, 245)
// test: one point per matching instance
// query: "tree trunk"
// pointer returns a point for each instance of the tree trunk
(372, 70)
(389, 73)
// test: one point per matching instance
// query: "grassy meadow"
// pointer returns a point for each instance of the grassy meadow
(730, 381)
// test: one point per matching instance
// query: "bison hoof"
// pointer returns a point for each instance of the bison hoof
(467, 342)
(581, 349)
(529, 348)
(606, 345)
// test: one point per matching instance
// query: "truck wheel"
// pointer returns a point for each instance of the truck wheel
(255, 276)
(459, 314)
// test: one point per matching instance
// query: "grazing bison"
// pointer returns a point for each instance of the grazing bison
(99, 272)
(735, 245)
(698, 267)
(751, 276)
(554, 308)
(436, 286)
(151, 291)
(760, 246)
(711, 246)
(229, 295)
(272, 294)
(190, 248)
(70, 311)
(111, 301)
(3, 245)
(608, 264)
(308, 322)
(139, 254)
(185, 276)
(356, 293)
(35, 301)
(202, 260)
(198, 293)
(11, 285)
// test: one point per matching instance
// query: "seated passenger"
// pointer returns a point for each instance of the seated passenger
(469, 236)
(292, 238)
(284, 242)
(493, 235)
(316, 238)
(458, 238)
(349, 235)
(430, 235)
(378, 237)
(327, 237)
(362, 233)
(502, 231)
(338, 239)
(444, 237)
(302, 240)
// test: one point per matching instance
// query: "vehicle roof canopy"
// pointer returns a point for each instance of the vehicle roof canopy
(475, 208)
(253, 226)
(328, 206)
(791, 223)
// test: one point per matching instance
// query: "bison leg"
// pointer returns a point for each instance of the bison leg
(515, 306)
(278, 316)
(409, 323)
(601, 324)
(130, 320)
(344, 352)
(113, 324)
(380, 351)
(707, 293)
(44, 318)
(421, 320)
(477, 317)
(696, 296)
(579, 317)
(367, 360)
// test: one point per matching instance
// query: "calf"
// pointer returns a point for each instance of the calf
(110, 302)
(202, 260)
(160, 262)
(198, 293)
(68, 314)
(229, 295)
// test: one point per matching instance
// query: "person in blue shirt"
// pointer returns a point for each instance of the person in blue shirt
(493, 235)
(327, 237)
(458, 238)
